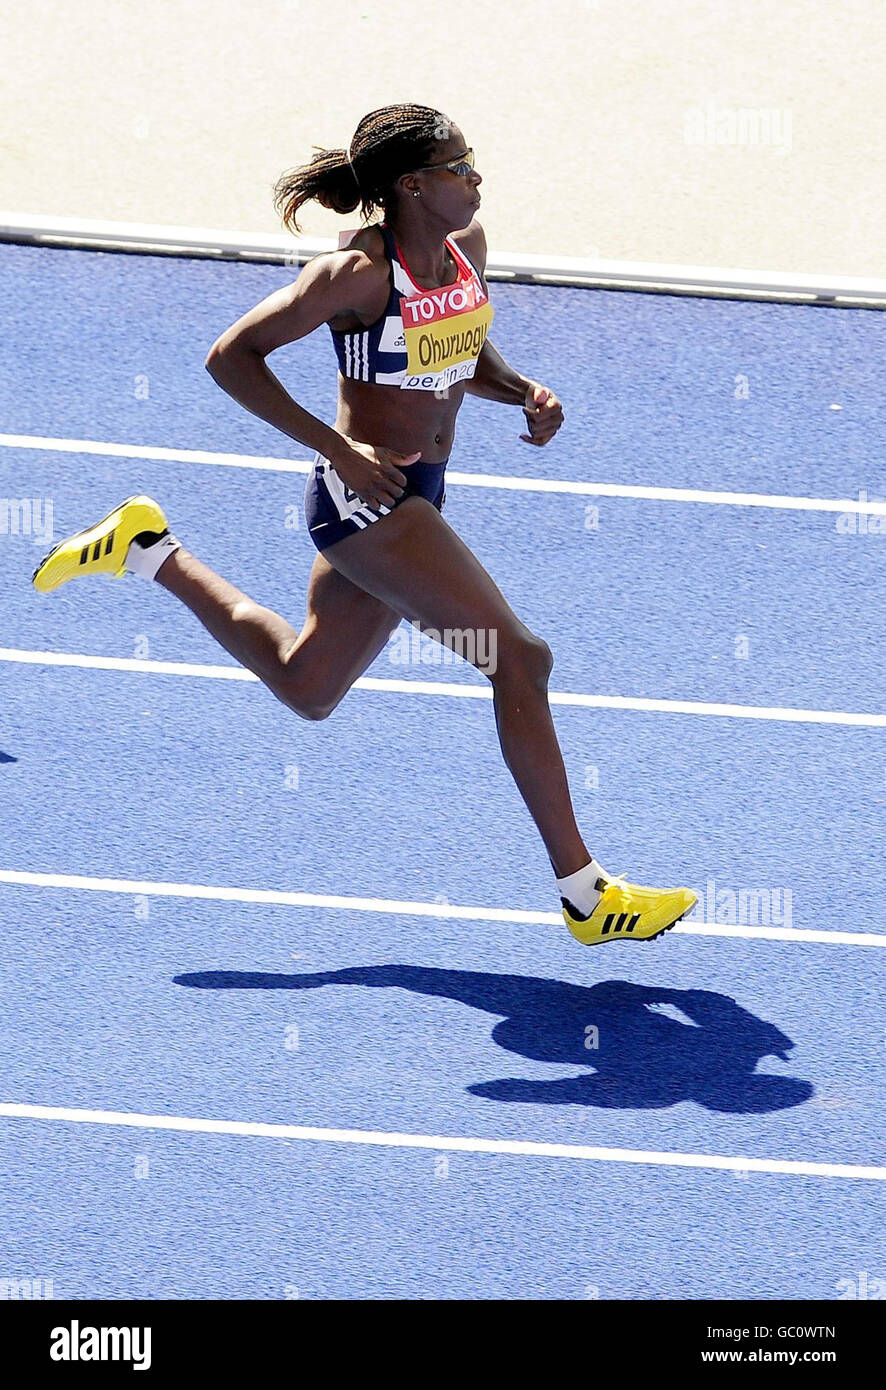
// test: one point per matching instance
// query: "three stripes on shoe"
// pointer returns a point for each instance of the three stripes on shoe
(96, 549)
(145, 538)
(623, 922)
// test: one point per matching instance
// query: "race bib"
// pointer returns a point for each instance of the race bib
(445, 330)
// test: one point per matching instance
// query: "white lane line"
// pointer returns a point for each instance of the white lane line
(125, 663)
(408, 908)
(149, 451)
(473, 692)
(524, 1148)
(484, 480)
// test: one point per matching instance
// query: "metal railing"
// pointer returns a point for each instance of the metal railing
(277, 248)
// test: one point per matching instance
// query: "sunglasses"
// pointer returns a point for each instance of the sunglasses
(462, 166)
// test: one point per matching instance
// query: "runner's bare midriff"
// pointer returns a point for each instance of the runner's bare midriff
(405, 421)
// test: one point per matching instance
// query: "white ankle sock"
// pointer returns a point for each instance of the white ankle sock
(145, 560)
(580, 889)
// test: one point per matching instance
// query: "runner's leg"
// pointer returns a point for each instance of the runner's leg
(415, 563)
(310, 671)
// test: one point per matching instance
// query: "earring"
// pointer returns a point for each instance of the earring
(417, 193)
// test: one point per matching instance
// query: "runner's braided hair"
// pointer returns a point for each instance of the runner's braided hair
(388, 142)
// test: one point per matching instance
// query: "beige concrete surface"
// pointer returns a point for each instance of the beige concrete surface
(748, 135)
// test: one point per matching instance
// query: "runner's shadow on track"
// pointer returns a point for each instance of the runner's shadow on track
(635, 1055)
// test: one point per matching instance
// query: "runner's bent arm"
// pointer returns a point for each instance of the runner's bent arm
(495, 380)
(336, 283)
(333, 284)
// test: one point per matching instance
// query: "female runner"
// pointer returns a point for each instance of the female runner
(407, 306)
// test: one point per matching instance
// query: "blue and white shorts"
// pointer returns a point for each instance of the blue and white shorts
(333, 511)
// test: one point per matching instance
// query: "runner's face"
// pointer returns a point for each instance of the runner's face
(452, 196)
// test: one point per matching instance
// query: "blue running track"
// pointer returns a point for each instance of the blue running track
(439, 1094)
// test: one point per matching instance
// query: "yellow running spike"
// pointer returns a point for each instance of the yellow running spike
(101, 549)
(627, 912)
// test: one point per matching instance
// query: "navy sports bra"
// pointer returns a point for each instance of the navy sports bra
(426, 340)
